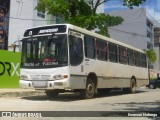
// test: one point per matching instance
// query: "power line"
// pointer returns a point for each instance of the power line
(127, 32)
(27, 19)
(153, 18)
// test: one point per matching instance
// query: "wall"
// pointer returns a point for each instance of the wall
(19, 11)
(4, 23)
(22, 16)
(133, 30)
(9, 69)
(157, 63)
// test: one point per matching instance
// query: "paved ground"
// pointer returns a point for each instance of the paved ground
(20, 92)
(30, 100)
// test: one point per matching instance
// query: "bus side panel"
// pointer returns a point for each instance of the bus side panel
(77, 77)
(142, 79)
(141, 83)
(113, 75)
(77, 81)
(119, 75)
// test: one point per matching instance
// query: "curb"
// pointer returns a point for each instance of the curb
(20, 93)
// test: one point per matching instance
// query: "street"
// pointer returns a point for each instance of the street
(144, 100)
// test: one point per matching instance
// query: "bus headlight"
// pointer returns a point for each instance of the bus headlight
(57, 77)
(24, 77)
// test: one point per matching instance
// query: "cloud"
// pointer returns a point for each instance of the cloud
(152, 7)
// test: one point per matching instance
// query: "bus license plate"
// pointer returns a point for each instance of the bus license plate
(39, 84)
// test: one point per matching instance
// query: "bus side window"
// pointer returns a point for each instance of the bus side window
(112, 52)
(89, 43)
(130, 55)
(101, 50)
(76, 50)
(137, 59)
(143, 60)
(122, 55)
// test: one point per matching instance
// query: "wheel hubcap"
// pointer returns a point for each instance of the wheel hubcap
(90, 89)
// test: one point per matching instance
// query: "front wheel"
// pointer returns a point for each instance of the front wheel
(89, 92)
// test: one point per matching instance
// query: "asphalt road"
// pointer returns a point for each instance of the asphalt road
(145, 103)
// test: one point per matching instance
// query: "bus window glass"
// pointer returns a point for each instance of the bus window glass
(112, 52)
(29, 50)
(122, 55)
(101, 49)
(137, 59)
(76, 50)
(130, 55)
(44, 51)
(143, 60)
(89, 43)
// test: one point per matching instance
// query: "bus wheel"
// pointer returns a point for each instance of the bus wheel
(89, 92)
(132, 88)
(51, 93)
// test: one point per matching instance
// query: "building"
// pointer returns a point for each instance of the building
(18, 15)
(22, 15)
(136, 29)
(4, 23)
(139, 28)
(157, 47)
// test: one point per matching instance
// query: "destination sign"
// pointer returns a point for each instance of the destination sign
(45, 30)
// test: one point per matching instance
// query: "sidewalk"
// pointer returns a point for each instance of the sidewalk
(18, 92)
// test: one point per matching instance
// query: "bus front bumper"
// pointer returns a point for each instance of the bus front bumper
(41, 84)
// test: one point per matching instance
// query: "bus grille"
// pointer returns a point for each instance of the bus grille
(40, 77)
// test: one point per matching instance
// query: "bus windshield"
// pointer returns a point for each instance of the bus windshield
(45, 51)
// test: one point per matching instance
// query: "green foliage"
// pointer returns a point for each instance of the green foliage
(98, 21)
(82, 13)
(54, 7)
(151, 55)
(131, 3)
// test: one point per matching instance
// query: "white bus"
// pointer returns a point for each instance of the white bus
(63, 57)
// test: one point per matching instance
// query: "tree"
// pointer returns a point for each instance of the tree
(83, 13)
(151, 55)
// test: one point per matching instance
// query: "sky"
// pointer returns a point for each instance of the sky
(152, 7)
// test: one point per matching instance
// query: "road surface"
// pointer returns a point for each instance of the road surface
(145, 103)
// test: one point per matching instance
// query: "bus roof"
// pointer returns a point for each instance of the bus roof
(84, 31)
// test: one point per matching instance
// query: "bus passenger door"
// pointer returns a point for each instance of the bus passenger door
(76, 53)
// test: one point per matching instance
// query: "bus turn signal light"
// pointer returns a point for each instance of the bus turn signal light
(65, 76)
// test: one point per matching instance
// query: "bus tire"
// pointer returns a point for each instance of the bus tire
(51, 93)
(132, 88)
(89, 92)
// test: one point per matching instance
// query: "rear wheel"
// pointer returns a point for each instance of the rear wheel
(89, 92)
(51, 93)
(132, 88)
